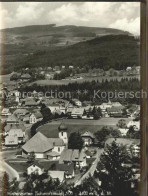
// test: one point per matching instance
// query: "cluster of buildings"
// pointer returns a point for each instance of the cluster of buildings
(47, 149)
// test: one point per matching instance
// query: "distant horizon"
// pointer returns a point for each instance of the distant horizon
(55, 25)
(123, 16)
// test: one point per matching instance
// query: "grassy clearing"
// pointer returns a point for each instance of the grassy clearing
(74, 125)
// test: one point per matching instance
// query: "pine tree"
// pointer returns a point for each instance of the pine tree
(116, 178)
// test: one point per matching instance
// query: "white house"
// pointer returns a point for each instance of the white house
(35, 117)
(123, 131)
(35, 168)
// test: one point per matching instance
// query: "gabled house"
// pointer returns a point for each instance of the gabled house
(14, 126)
(35, 168)
(20, 112)
(114, 111)
(43, 147)
(77, 112)
(88, 138)
(38, 144)
(35, 117)
(73, 156)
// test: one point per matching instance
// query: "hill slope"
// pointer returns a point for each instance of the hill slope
(112, 51)
(30, 38)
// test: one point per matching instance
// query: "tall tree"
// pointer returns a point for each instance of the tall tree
(75, 141)
(46, 112)
(116, 178)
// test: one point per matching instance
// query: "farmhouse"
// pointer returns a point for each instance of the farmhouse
(38, 144)
(44, 147)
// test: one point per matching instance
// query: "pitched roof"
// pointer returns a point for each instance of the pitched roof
(26, 76)
(14, 126)
(72, 155)
(11, 140)
(114, 109)
(12, 118)
(38, 143)
(38, 115)
(36, 164)
(53, 154)
(31, 103)
(20, 111)
(123, 141)
(56, 141)
(16, 132)
(77, 111)
(88, 134)
(68, 169)
(57, 175)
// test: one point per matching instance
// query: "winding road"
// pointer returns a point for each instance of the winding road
(91, 169)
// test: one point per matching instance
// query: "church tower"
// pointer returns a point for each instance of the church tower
(63, 133)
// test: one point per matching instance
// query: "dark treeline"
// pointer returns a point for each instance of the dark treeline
(93, 91)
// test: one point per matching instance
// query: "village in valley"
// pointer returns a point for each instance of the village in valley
(70, 99)
(63, 138)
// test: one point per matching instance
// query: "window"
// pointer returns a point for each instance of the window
(62, 133)
(58, 149)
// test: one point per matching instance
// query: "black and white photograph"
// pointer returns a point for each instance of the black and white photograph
(70, 98)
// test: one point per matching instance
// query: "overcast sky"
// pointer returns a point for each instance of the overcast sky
(120, 15)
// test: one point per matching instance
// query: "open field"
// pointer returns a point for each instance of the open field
(74, 125)
(67, 81)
